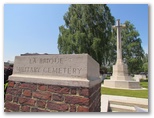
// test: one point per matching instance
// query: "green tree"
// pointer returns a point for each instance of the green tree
(145, 63)
(145, 58)
(132, 50)
(145, 67)
(87, 29)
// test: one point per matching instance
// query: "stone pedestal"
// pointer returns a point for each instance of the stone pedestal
(54, 83)
(120, 72)
(121, 79)
(122, 84)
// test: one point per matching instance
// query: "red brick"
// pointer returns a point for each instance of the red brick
(41, 104)
(38, 110)
(73, 91)
(82, 109)
(77, 100)
(59, 89)
(95, 103)
(27, 93)
(42, 95)
(28, 86)
(72, 108)
(58, 97)
(14, 91)
(11, 84)
(16, 85)
(94, 95)
(84, 92)
(27, 101)
(92, 107)
(11, 106)
(57, 106)
(42, 87)
(8, 97)
(15, 99)
(25, 108)
(93, 89)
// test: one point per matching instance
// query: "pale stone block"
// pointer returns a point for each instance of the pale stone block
(139, 77)
(104, 104)
(122, 77)
(122, 84)
(66, 69)
(120, 70)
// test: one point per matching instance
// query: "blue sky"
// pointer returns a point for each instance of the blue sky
(34, 28)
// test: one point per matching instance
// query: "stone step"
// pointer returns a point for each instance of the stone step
(128, 103)
(124, 104)
(138, 109)
(121, 108)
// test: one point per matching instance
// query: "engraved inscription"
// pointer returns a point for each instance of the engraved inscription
(48, 66)
(70, 71)
(28, 69)
(32, 60)
(46, 61)
(51, 60)
(62, 70)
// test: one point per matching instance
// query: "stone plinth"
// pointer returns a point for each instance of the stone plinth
(120, 72)
(54, 83)
(122, 84)
(121, 79)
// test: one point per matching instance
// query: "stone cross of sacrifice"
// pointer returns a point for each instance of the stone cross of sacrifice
(119, 48)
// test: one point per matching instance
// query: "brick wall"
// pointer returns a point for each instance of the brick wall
(31, 97)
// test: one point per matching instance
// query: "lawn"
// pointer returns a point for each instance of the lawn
(144, 84)
(130, 93)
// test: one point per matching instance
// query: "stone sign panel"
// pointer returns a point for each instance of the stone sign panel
(56, 65)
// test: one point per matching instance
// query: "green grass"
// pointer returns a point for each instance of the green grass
(144, 84)
(129, 93)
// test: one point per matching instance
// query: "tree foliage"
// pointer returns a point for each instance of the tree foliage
(132, 50)
(145, 63)
(87, 29)
(145, 67)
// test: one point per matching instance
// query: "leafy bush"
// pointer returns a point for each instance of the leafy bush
(5, 86)
(7, 72)
(108, 77)
(143, 80)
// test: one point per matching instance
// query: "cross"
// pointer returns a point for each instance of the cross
(119, 49)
